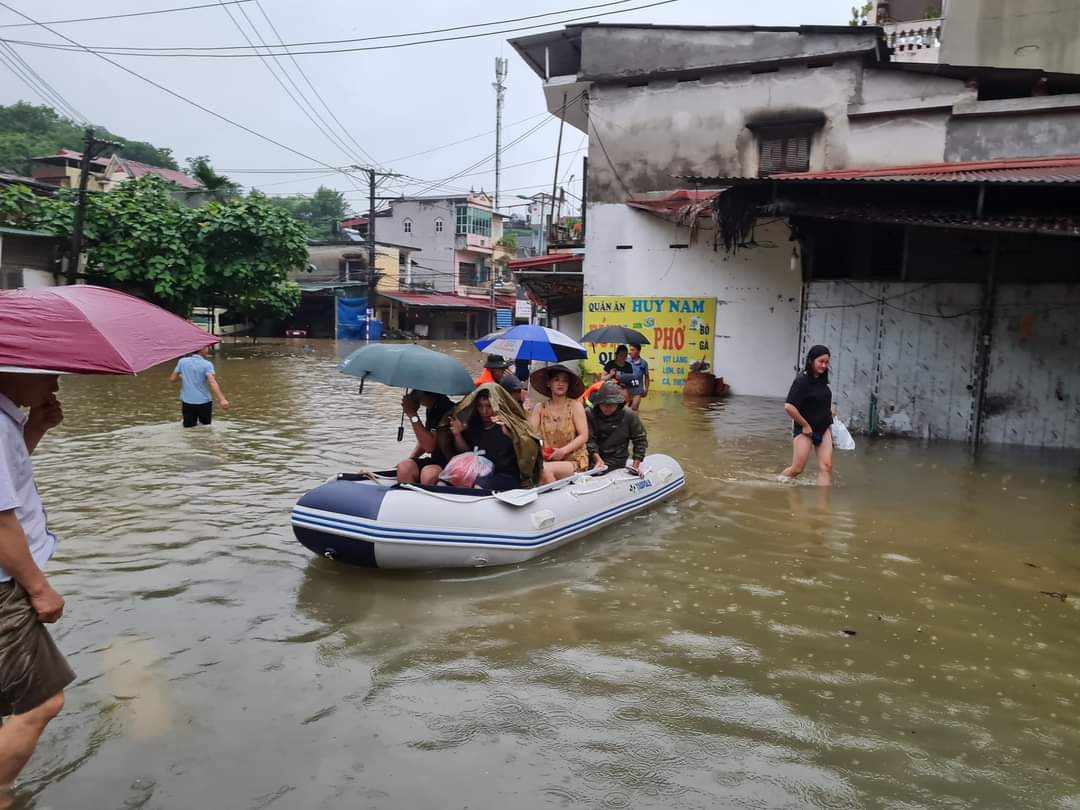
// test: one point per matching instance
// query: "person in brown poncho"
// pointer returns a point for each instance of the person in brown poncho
(489, 419)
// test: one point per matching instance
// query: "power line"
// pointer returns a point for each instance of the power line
(314, 90)
(466, 140)
(273, 70)
(32, 79)
(372, 38)
(120, 16)
(162, 53)
(172, 93)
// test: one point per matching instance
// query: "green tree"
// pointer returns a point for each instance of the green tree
(319, 213)
(234, 253)
(29, 130)
(860, 15)
(217, 186)
(509, 241)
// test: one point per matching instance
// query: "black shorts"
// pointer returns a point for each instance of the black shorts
(814, 437)
(427, 461)
(201, 414)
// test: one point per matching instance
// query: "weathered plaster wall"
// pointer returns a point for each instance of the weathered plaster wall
(669, 128)
(758, 296)
(655, 133)
(1013, 33)
(897, 140)
(1031, 135)
(615, 52)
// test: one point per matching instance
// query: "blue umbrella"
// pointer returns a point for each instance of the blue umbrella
(408, 366)
(528, 342)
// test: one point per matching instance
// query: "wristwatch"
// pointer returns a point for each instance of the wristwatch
(414, 419)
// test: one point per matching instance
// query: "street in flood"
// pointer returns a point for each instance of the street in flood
(906, 638)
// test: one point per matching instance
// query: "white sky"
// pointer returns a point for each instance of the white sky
(394, 102)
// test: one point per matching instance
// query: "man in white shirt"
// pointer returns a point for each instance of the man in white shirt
(33, 672)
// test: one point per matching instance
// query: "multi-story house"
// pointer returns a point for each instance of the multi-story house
(456, 235)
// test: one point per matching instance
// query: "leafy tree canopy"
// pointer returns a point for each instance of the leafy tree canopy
(29, 130)
(319, 213)
(235, 253)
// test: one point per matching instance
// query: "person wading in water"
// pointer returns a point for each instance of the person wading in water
(809, 404)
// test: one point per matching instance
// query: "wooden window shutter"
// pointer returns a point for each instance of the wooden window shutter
(784, 149)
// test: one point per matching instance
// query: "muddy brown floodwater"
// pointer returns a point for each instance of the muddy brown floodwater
(907, 639)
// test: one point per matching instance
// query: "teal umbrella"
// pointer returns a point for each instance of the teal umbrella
(408, 366)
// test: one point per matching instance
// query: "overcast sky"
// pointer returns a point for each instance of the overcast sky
(393, 102)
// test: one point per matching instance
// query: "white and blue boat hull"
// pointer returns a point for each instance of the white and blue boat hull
(376, 523)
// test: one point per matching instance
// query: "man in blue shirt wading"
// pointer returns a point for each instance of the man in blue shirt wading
(197, 381)
(33, 672)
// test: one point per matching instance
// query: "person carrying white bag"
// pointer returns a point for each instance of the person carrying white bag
(809, 404)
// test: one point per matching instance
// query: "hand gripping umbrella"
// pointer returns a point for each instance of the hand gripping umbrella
(408, 366)
(82, 329)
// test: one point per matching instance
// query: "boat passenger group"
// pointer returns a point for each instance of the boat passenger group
(494, 439)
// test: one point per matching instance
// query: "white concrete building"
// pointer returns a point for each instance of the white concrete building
(676, 115)
(456, 236)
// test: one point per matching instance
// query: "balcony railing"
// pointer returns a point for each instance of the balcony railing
(915, 40)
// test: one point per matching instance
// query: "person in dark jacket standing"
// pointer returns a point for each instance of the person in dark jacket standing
(809, 404)
(613, 426)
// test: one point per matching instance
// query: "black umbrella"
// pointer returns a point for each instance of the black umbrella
(614, 334)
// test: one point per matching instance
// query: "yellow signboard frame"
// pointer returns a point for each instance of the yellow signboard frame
(680, 332)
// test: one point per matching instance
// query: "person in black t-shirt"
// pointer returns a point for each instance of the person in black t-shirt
(488, 433)
(427, 460)
(809, 404)
(619, 371)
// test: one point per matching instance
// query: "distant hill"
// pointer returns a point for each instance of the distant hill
(28, 130)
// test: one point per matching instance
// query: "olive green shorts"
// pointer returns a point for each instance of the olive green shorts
(32, 668)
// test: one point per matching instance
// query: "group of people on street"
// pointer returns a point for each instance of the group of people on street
(547, 442)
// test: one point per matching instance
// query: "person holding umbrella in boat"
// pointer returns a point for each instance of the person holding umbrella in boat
(427, 460)
(560, 422)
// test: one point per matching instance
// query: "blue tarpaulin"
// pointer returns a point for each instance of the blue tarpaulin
(352, 318)
(504, 318)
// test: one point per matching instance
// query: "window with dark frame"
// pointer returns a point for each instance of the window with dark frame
(783, 149)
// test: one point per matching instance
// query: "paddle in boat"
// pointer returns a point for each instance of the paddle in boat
(371, 520)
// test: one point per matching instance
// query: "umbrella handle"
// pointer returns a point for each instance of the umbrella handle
(401, 427)
(362, 382)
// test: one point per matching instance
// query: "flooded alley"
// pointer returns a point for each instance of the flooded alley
(907, 639)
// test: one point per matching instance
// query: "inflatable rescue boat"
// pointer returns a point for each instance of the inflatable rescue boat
(371, 520)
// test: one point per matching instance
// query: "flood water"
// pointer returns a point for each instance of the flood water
(908, 639)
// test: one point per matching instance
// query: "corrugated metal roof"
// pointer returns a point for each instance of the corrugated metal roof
(438, 300)
(546, 260)
(1036, 171)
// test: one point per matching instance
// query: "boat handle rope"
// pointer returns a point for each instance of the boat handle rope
(448, 498)
(578, 492)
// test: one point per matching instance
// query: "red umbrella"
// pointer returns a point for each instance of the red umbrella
(90, 330)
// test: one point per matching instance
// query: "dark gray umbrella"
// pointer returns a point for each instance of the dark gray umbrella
(615, 334)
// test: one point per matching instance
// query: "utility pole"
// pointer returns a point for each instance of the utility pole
(555, 179)
(501, 69)
(90, 143)
(372, 174)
